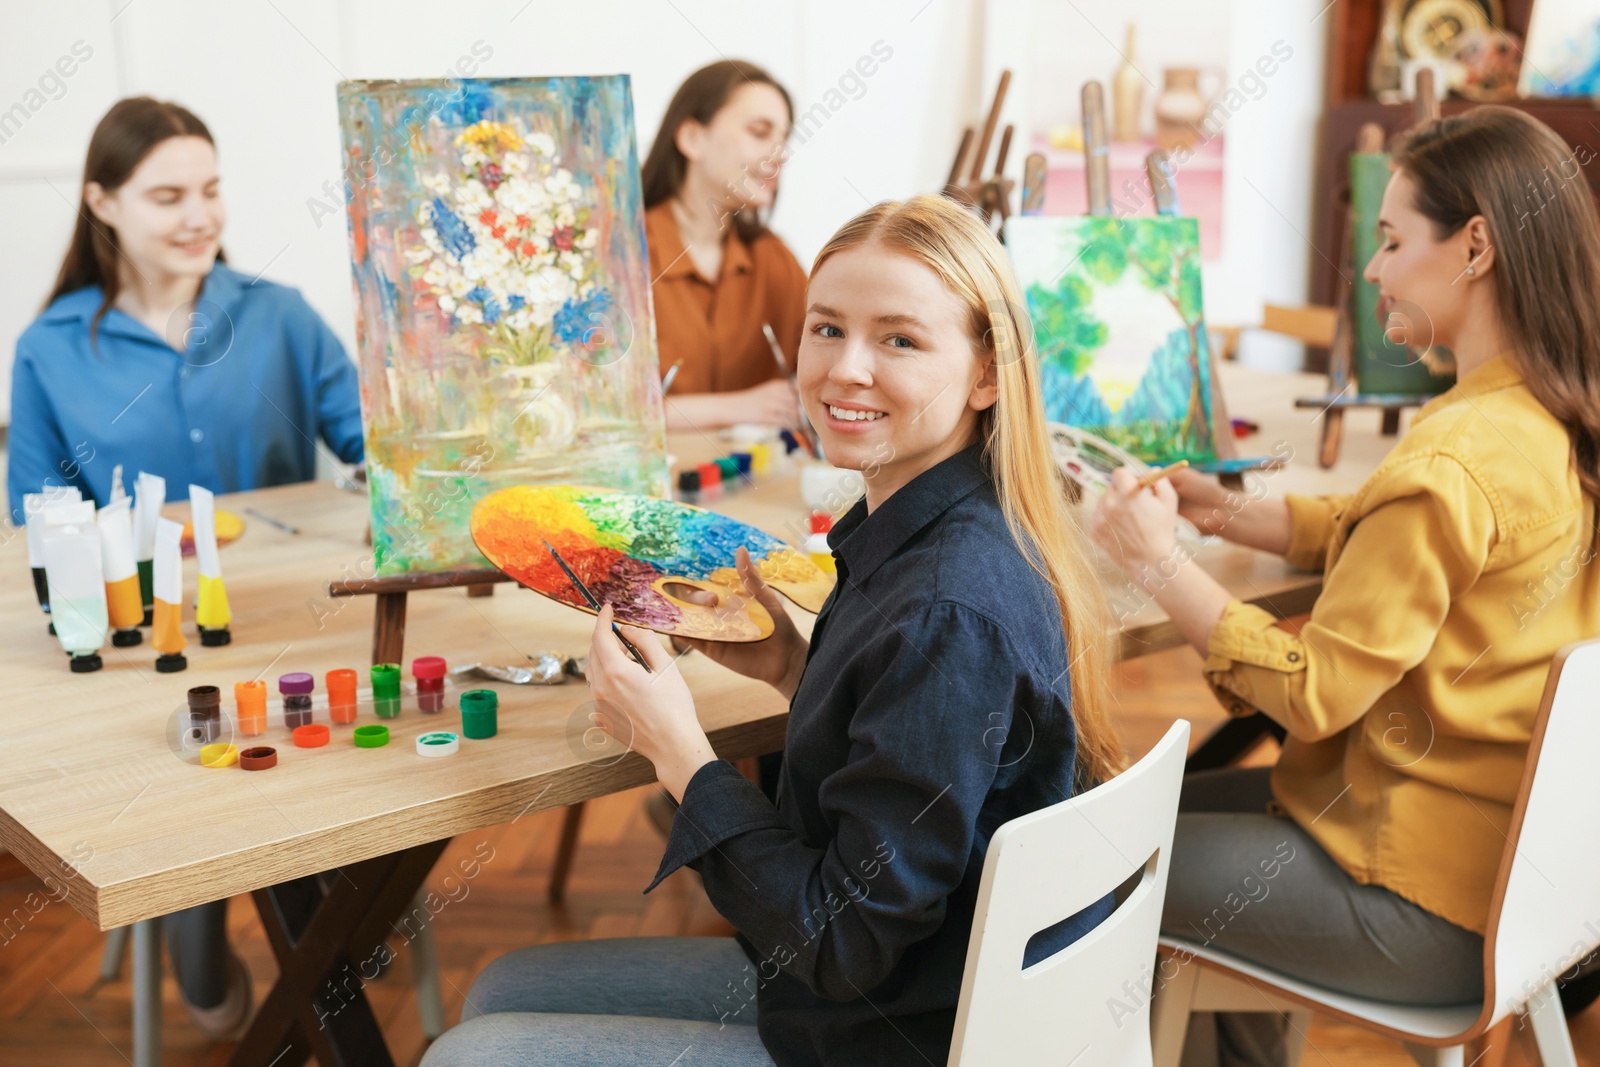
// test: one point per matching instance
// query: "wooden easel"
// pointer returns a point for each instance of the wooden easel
(992, 195)
(1343, 385)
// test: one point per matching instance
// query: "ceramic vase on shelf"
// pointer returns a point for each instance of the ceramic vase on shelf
(1181, 109)
(1127, 96)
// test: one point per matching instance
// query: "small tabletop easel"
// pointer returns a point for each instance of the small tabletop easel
(389, 613)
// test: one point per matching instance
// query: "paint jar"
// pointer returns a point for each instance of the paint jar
(296, 690)
(205, 713)
(743, 459)
(386, 690)
(429, 673)
(760, 458)
(820, 551)
(710, 481)
(341, 686)
(479, 713)
(689, 487)
(250, 703)
(729, 469)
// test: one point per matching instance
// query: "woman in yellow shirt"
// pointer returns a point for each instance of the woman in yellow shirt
(1365, 862)
(720, 279)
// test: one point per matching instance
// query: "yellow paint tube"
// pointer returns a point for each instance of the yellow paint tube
(124, 605)
(211, 613)
(167, 585)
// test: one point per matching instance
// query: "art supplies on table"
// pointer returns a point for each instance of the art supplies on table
(124, 607)
(632, 550)
(167, 588)
(211, 613)
(150, 493)
(33, 508)
(76, 577)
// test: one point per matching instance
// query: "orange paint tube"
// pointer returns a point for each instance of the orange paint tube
(167, 584)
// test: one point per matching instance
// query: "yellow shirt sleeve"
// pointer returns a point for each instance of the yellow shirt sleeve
(1312, 521)
(1421, 537)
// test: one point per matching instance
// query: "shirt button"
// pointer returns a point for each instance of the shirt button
(196, 436)
(1293, 657)
(183, 372)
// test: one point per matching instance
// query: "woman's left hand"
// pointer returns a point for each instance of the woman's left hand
(1137, 527)
(653, 714)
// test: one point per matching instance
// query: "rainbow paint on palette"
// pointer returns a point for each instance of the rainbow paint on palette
(630, 549)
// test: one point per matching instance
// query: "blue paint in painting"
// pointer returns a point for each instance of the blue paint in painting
(577, 317)
(452, 231)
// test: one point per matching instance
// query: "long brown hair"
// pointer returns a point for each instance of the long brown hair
(1529, 187)
(124, 137)
(700, 97)
(1016, 446)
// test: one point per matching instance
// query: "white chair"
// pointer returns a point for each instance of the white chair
(1541, 916)
(1086, 1004)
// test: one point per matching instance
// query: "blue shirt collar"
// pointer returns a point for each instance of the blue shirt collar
(223, 287)
(863, 542)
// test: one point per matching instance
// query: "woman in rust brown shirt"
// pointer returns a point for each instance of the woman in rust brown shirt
(719, 274)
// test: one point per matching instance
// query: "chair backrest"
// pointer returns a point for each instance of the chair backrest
(1546, 910)
(1093, 996)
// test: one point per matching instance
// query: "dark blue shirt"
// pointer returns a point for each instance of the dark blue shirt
(261, 380)
(935, 706)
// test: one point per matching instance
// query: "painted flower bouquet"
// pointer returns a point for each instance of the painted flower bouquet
(507, 247)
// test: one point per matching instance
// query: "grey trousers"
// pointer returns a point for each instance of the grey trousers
(1255, 885)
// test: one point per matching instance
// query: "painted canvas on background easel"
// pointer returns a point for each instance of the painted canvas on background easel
(502, 300)
(1116, 309)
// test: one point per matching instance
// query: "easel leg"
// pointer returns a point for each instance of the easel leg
(1391, 421)
(1332, 437)
(389, 628)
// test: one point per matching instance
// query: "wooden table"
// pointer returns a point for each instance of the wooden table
(87, 776)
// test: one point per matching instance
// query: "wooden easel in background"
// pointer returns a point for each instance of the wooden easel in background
(1344, 391)
(992, 195)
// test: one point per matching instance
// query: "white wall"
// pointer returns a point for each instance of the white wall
(262, 73)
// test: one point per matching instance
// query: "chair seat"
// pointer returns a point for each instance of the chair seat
(1437, 1025)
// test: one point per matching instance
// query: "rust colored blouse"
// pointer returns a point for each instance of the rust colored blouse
(716, 328)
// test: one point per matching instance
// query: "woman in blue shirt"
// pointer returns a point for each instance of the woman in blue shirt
(154, 355)
(955, 679)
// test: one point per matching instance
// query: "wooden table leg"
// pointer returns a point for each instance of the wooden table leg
(317, 1007)
(568, 845)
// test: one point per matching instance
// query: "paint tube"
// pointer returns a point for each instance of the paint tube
(152, 493)
(33, 507)
(77, 589)
(167, 584)
(211, 614)
(123, 605)
(117, 491)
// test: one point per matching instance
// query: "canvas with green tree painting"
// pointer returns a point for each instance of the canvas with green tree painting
(502, 300)
(1119, 329)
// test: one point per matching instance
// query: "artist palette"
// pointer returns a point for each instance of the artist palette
(637, 553)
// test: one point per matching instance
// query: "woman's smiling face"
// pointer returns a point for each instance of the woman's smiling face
(888, 370)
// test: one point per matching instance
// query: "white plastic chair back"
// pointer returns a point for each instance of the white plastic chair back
(1550, 913)
(1089, 1003)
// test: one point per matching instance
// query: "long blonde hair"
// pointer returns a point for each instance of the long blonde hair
(1016, 446)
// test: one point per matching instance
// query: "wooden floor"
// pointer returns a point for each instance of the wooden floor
(52, 1009)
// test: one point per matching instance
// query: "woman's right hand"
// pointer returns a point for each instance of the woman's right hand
(778, 660)
(772, 403)
(1235, 517)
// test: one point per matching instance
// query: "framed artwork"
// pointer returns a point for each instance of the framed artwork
(502, 290)
(1119, 329)
(1562, 54)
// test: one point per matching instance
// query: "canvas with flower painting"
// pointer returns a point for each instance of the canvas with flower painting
(502, 300)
